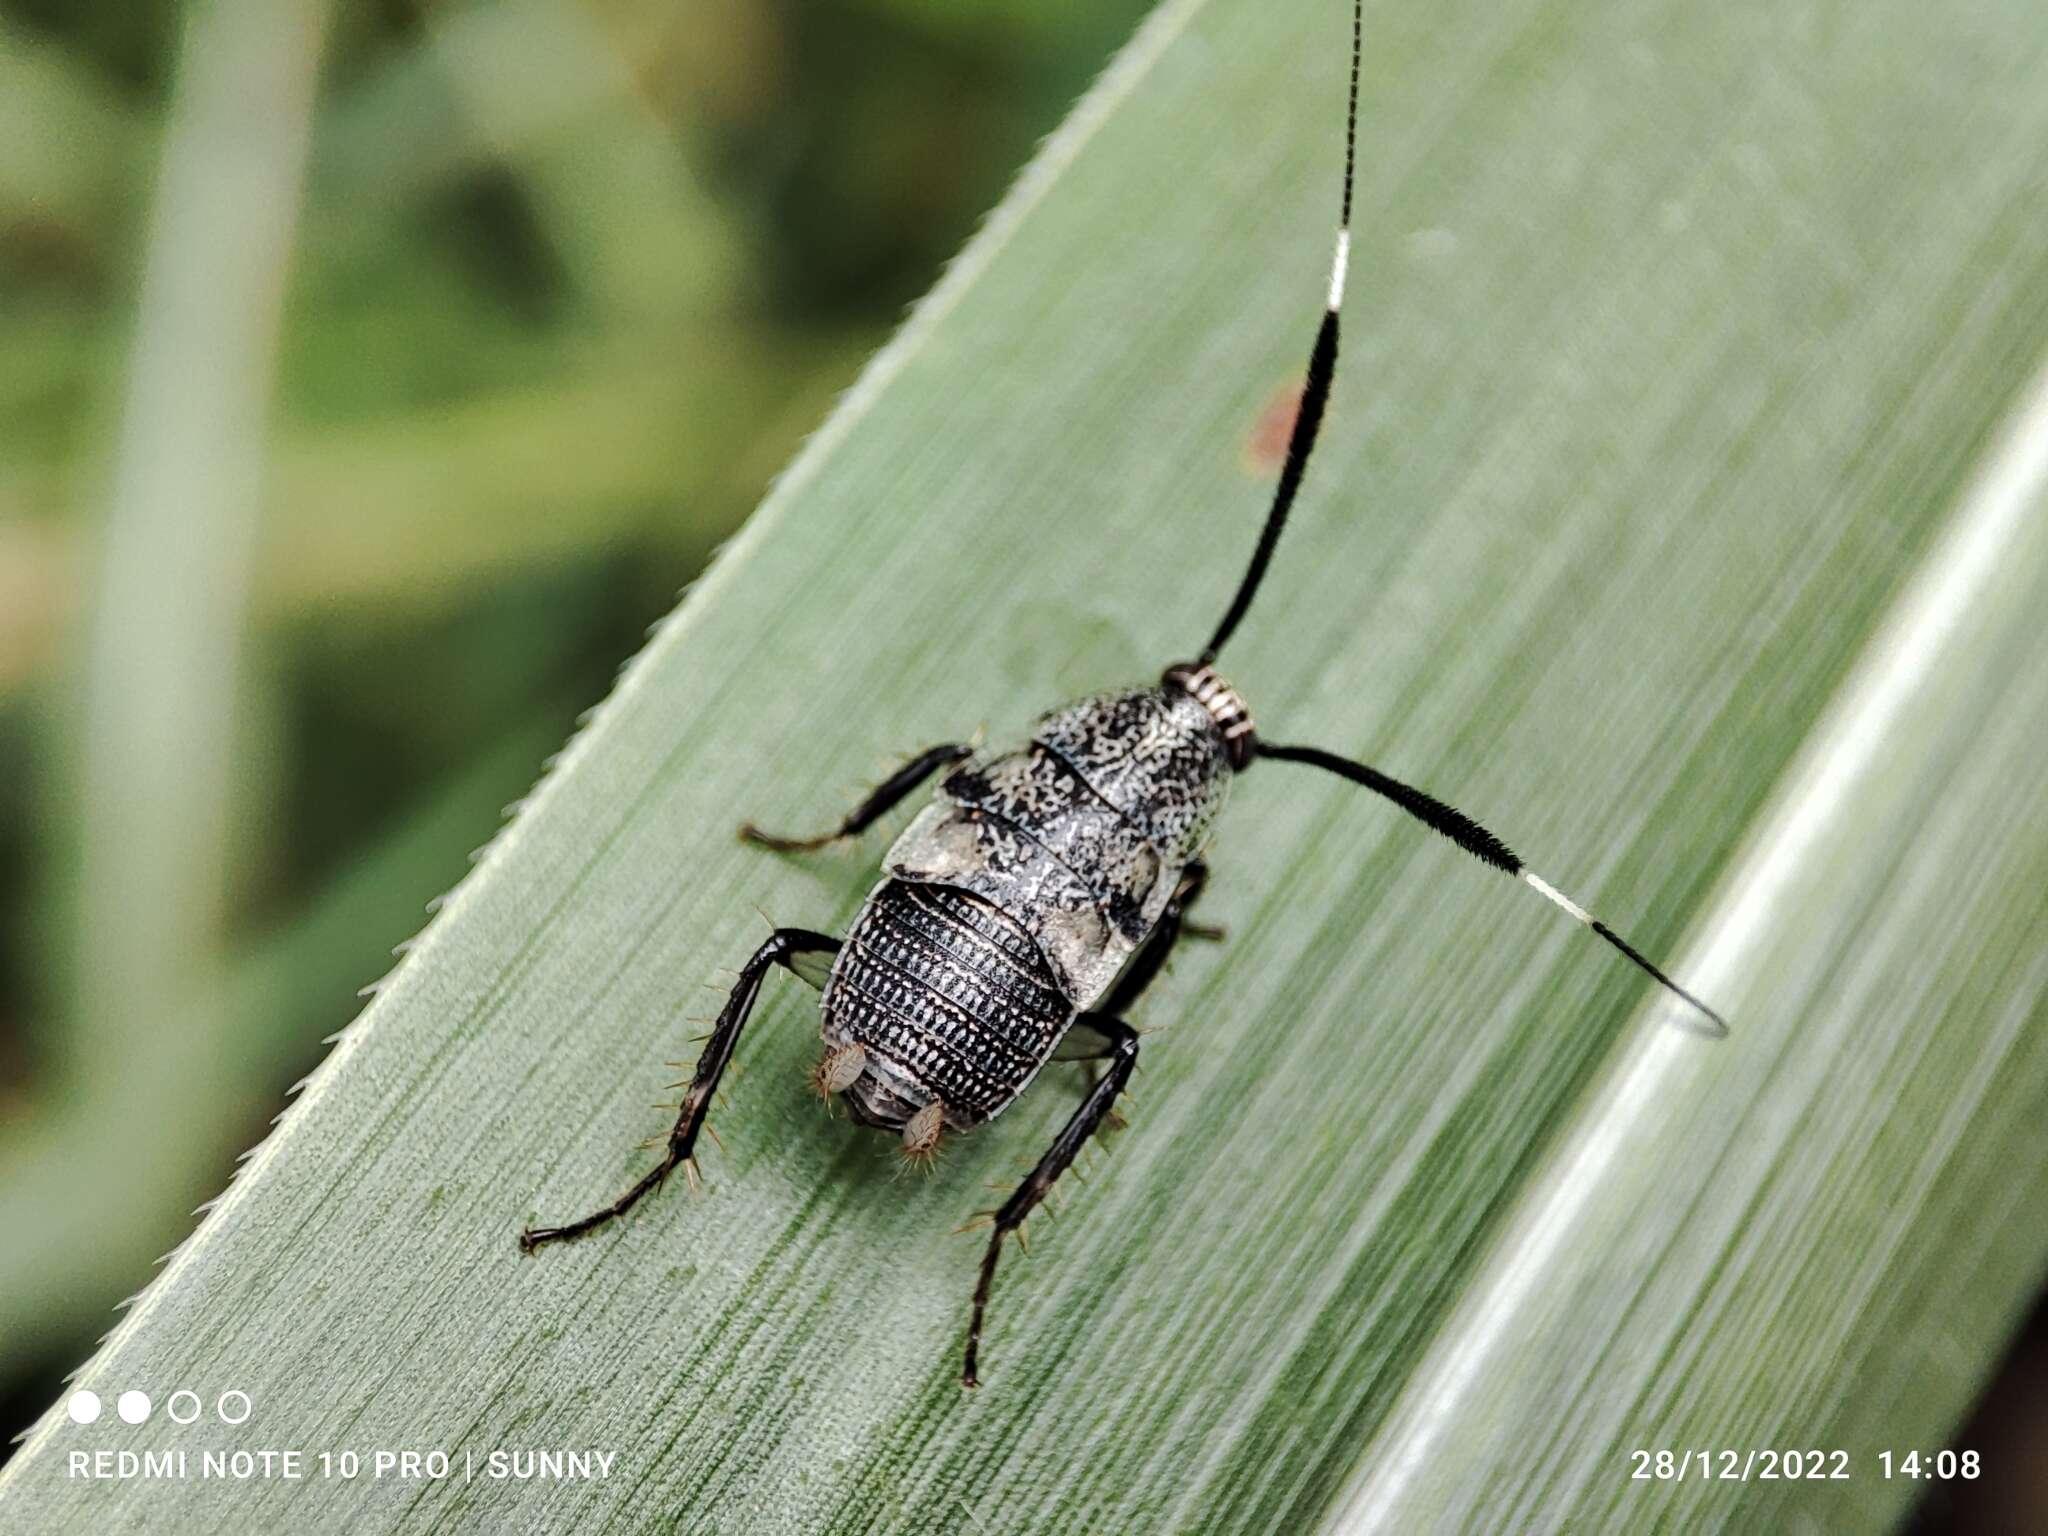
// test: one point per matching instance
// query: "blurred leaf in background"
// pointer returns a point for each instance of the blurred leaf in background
(305, 565)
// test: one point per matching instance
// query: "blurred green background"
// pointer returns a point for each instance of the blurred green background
(370, 378)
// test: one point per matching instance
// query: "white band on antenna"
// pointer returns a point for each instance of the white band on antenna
(1339, 266)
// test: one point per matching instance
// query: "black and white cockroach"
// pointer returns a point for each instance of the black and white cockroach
(1024, 911)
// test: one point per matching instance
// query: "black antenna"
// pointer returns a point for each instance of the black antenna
(1322, 368)
(1476, 840)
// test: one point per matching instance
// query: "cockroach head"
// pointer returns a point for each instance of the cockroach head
(1226, 706)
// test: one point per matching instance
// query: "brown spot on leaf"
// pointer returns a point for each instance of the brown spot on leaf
(1265, 446)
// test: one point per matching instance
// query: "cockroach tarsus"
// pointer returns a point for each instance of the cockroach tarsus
(1024, 911)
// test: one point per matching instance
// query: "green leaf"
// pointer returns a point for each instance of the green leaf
(105, 1180)
(1664, 521)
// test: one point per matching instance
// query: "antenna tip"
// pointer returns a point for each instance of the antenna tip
(1699, 1019)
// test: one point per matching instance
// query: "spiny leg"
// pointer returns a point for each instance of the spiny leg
(1487, 847)
(1065, 1147)
(785, 947)
(887, 795)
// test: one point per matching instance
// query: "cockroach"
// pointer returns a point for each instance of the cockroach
(1023, 912)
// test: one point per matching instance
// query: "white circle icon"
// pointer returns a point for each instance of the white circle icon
(132, 1406)
(191, 1406)
(84, 1407)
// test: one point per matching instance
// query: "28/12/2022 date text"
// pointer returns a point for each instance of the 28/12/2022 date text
(1796, 1465)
